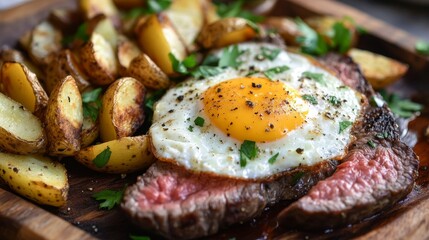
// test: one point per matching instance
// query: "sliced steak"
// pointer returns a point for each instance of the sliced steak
(377, 172)
(177, 203)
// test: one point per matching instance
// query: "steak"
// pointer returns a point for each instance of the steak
(377, 172)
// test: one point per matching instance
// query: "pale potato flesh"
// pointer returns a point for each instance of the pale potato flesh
(70, 105)
(104, 53)
(45, 40)
(106, 29)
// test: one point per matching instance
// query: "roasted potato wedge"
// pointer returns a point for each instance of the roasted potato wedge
(224, 32)
(12, 55)
(122, 111)
(210, 13)
(157, 38)
(92, 8)
(45, 40)
(126, 51)
(89, 133)
(128, 154)
(64, 117)
(188, 19)
(147, 72)
(129, 4)
(99, 60)
(285, 27)
(66, 20)
(35, 177)
(20, 131)
(103, 25)
(65, 63)
(379, 70)
(21, 85)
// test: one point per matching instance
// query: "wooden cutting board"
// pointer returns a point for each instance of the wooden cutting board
(81, 218)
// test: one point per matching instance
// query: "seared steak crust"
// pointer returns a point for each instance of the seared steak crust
(377, 172)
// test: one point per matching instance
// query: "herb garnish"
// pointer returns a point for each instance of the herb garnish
(248, 151)
(422, 47)
(311, 42)
(133, 237)
(230, 56)
(102, 158)
(191, 128)
(270, 53)
(273, 159)
(334, 101)
(80, 34)
(318, 77)
(206, 71)
(382, 135)
(234, 9)
(110, 198)
(342, 37)
(371, 144)
(199, 121)
(151, 98)
(91, 103)
(401, 107)
(152, 6)
(183, 66)
(310, 98)
(270, 73)
(344, 125)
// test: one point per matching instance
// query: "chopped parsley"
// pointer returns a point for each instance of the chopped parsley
(109, 198)
(206, 71)
(183, 66)
(152, 6)
(91, 103)
(382, 135)
(344, 125)
(191, 128)
(318, 77)
(422, 47)
(311, 42)
(310, 98)
(270, 73)
(248, 151)
(342, 37)
(273, 159)
(401, 107)
(235, 9)
(371, 144)
(133, 237)
(153, 97)
(80, 34)
(102, 158)
(334, 101)
(199, 121)
(270, 53)
(230, 57)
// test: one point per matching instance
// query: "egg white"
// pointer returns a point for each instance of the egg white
(208, 149)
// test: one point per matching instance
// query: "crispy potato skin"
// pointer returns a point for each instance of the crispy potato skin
(286, 27)
(12, 140)
(64, 117)
(122, 111)
(35, 177)
(20, 84)
(225, 32)
(128, 154)
(147, 72)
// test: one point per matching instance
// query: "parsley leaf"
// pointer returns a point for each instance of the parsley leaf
(191, 128)
(361, 30)
(270, 53)
(109, 198)
(81, 34)
(401, 107)
(344, 125)
(102, 158)
(310, 98)
(182, 67)
(206, 71)
(133, 237)
(230, 57)
(234, 9)
(273, 159)
(152, 6)
(91, 103)
(318, 77)
(334, 101)
(382, 135)
(371, 144)
(342, 37)
(422, 47)
(270, 73)
(311, 42)
(151, 98)
(248, 151)
(199, 121)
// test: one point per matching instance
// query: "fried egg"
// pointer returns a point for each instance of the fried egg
(289, 110)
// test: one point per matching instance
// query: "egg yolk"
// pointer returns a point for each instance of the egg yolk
(255, 109)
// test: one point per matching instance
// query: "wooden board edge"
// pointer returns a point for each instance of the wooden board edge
(398, 43)
(28, 221)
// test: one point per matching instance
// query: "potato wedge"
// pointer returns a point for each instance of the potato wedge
(210, 13)
(147, 72)
(122, 111)
(157, 38)
(284, 26)
(21, 85)
(129, 4)
(103, 25)
(45, 40)
(37, 178)
(66, 20)
(64, 117)
(90, 132)
(379, 70)
(99, 60)
(224, 32)
(128, 154)
(65, 63)
(126, 51)
(92, 8)
(12, 55)
(188, 19)
(20, 131)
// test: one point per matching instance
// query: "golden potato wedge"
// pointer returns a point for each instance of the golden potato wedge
(64, 117)
(45, 40)
(20, 131)
(285, 27)
(92, 8)
(122, 111)
(90, 132)
(65, 63)
(379, 70)
(37, 178)
(157, 38)
(99, 60)
(20, 84)
(224, 32)
(103, 25)
(127, 154)
(210, 13)
(188, 19)
(12, 55)
(126, 51)
(147, 72)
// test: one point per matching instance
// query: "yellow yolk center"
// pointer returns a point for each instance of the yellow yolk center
(255, 109)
